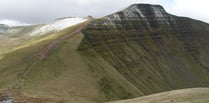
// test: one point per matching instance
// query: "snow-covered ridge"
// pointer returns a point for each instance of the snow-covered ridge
(58, 25)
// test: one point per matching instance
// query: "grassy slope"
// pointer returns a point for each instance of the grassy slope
(63, 74)
(142, 62)
(110, 64)
(193, 95)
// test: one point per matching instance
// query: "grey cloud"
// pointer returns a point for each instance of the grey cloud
(38, 11)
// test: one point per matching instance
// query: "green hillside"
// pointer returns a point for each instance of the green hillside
(149, 50)
(139, 51)
(62, 74)
(192, 95)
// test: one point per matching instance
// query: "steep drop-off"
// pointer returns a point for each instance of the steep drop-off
(147, 51)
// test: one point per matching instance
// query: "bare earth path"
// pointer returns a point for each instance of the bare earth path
(41, 55)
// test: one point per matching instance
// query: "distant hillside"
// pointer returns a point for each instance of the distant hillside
(12, 37)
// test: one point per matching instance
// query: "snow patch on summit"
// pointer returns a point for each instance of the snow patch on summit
(57, 25)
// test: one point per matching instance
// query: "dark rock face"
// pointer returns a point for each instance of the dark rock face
(153, 50)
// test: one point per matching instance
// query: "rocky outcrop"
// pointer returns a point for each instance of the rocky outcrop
(151, 50)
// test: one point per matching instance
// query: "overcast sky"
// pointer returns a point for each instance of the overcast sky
(17, 12)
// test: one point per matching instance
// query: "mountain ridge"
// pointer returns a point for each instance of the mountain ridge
(145, 45)
(14, 36)
(135, 52)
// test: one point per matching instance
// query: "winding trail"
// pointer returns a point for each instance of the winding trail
(41, 55)
(46, 49)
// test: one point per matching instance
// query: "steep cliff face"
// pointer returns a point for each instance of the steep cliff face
(147, 51)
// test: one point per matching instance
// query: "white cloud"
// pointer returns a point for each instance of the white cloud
(40, 11)
(197, 9)
(12, 22)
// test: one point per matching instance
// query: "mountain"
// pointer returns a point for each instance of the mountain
(152, 51)
(139, 51)
(14, 36)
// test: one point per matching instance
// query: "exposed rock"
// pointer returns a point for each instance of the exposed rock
(152, 49)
